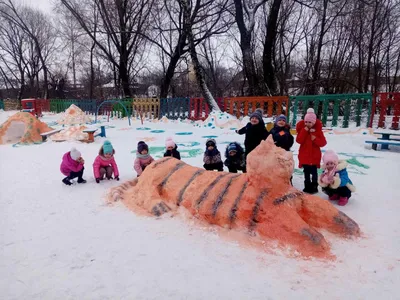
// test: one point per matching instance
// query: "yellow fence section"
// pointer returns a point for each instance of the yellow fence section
(146, 107)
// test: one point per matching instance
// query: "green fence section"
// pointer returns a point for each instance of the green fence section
(60, 105)
(347, 107)
(1, 104)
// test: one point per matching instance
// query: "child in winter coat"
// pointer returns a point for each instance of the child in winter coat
(311, 140)
(104, 164)
(72, 166)
(281, 135)
(335, 181)
(235, 158)
(255, 131)
(212, 157)
(171, 148)
(143, 158)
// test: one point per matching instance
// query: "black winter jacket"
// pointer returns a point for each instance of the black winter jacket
(282, 137)
(254, 135)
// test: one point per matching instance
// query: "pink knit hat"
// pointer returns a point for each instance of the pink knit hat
(330, 156)
(310, 116)
(169, 142)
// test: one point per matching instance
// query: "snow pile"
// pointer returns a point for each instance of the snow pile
(74, 115)
(217, 119)
(73, 133)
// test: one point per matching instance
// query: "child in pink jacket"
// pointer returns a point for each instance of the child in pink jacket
(72, 166)
(104, 164)
(143, 158)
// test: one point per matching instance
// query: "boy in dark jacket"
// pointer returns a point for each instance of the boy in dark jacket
(255, 131)
(235, 158)
(282, 136)
(281, 133)
(171, 149)
(212, 157)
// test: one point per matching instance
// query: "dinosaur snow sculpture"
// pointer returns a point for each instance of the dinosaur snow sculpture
(261, 201)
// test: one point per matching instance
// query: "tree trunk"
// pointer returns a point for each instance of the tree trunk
(91, 85)
(172, 66)
(370, 48)
(269, 46)
(193, 54)
(247, 53)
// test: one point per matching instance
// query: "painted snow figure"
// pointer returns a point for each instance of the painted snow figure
(235, 158)
(72, 166)
(260, 202)
(212, 157)
(104, 165)
(335, 181)
(311, 140)
(171, 149)
(255, 131)
(143, 158)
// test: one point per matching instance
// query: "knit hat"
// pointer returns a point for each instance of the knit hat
(258, 113)
(169, 143)
(142, 146)
(232, 147)
(330, 156)
(107, 147)
(281, 118)
(75, 154)
(211, 142)
(310, 116)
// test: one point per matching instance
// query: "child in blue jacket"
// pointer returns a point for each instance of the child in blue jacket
(335, 181)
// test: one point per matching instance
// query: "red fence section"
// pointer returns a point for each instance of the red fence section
(386, 104)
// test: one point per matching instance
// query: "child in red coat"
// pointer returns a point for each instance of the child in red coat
(311, 140)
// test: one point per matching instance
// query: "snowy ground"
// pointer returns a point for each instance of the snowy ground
(60, 242)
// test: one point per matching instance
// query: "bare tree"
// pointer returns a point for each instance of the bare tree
(119, 35)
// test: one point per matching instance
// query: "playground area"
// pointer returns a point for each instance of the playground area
(60, 240)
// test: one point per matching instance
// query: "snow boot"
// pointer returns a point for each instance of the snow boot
(334, 197)
(81, 180)
(343, 201)
(313, 188)
(307, 187)
(66, 181)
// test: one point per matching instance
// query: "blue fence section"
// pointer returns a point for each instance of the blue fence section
(1, 104)
(175, 108)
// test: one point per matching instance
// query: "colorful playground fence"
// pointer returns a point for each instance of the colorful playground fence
(380, 110)
(332, 108)
(387, 107)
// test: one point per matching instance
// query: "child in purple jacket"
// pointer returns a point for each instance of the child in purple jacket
(143, 158)
(72, 166)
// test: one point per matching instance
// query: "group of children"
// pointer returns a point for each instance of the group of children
(334, 180)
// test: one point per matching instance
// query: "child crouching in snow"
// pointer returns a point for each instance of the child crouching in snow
(171, 148)
(335, 181)
(72, 166)
(104, 164)
(212, 157)
(235, 158)
(143, 158)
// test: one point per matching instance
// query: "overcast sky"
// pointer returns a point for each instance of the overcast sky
(45, 5)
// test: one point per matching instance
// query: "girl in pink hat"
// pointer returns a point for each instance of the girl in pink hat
(335, 181)
(171, 149)
(311, 140)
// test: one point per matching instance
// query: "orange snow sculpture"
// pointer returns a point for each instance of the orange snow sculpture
(22, 128)
(261, 201)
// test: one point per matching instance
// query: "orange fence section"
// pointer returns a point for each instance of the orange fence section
(242, 106)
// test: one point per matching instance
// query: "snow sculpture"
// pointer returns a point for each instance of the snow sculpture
(262, 201)
(22, 128)
(74, 115)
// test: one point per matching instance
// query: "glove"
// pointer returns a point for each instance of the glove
(116, 178)
(98, 180)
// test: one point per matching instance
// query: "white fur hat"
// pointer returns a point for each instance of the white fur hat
(75, 154)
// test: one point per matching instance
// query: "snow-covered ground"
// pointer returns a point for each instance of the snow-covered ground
(60, 242)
